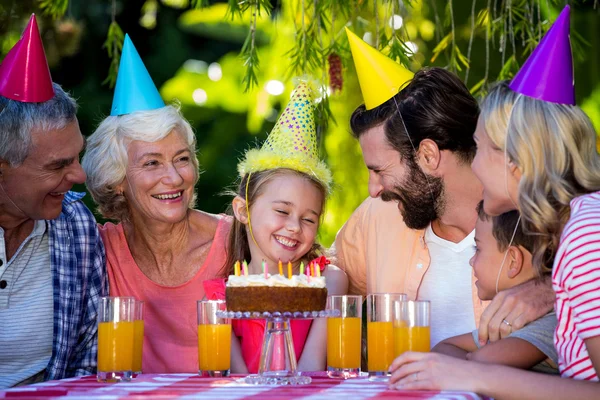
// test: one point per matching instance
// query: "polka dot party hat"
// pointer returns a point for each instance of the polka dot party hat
(292, 143)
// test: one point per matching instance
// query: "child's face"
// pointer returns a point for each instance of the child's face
(285, 219)
(486, 261)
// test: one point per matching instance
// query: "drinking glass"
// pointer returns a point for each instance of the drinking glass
(380, 333)
(411, 326)
(115, 339)
(138, 336)
(214, 339)
(343, 337)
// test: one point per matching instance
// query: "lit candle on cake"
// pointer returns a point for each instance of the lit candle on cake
(280, 265)
(236, 268)
(301, 267)
(245, 266)
(289, 270)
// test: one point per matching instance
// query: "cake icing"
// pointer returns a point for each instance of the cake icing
(276, 281)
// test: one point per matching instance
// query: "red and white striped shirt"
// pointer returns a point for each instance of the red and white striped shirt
(576, 281)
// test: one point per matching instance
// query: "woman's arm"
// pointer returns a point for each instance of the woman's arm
(438, 372)
(314, 355)
(238, 366)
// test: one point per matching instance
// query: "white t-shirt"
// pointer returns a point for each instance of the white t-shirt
(447, 285)
(26, 308)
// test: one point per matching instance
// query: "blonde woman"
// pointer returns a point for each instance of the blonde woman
(552, 176)
(536, 153)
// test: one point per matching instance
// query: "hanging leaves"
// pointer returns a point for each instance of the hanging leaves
(113, 46)
(249, 53)
(54, 8)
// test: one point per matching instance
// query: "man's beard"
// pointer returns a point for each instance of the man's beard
(421, 197)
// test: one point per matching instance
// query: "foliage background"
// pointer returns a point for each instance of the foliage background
(194, 58)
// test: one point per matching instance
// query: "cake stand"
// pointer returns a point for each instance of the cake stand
(277, 357)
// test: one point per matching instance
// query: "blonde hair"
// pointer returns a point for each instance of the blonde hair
(554, 147)
(238, 244)
(105, 160)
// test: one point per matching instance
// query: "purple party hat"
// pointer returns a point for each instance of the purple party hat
(548, 72)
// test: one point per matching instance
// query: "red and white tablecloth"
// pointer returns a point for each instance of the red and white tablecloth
(169, 386)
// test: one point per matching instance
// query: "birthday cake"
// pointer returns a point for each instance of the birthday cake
(276, 293)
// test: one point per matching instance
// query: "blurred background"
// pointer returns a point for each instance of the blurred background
(232, 65)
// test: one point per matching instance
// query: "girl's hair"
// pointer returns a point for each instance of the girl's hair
(238, 245)
(554, 146)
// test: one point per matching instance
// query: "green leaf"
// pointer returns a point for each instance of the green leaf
(54, 8)
(475, 88)
(441, 46)
(113, 46)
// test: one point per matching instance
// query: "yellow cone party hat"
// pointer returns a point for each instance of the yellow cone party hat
(380, 77)
(292, 143)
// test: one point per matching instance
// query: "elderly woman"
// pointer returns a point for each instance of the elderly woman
(142, 169)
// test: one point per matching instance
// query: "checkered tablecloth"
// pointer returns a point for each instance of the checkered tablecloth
(169, 386)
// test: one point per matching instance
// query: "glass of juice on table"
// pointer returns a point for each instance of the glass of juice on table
(214, 339)
(380, 333)
(115, 339)
(411, 326)
(138, 336)
(343, 337)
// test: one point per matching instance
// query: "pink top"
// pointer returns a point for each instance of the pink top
(170, 316)
(251, 332)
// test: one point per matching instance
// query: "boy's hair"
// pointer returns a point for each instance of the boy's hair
(503, 227)
(238, 248)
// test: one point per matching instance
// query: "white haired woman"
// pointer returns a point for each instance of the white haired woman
(142, 170)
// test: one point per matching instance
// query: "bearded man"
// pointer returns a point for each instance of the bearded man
(415, 235)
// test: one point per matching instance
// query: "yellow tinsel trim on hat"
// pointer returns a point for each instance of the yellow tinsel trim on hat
(257, 160)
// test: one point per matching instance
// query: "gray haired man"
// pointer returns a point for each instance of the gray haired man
(52, 262)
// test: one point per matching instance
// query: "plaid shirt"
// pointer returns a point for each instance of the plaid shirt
(79, 279)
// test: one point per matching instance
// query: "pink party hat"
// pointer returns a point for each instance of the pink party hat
(24, 72)
(548, 72)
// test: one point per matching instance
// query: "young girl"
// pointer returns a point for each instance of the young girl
(278, 208)
(533, 139)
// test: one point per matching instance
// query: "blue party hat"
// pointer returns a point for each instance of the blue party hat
(135, 90)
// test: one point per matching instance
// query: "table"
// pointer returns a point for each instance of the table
(191, 386)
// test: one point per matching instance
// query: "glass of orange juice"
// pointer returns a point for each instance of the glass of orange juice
(411, 326)
(380, 333)
(138, 336)
(115, 339)
(343, 337)
(214, 339)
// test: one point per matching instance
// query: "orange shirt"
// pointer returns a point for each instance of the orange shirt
(170, 316)
(380, 254)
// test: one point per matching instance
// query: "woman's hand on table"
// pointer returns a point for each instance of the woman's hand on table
(432, 371)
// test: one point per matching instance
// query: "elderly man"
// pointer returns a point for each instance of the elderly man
(415, 235)
(52, 263)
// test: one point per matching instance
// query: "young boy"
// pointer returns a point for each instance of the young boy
(498, 265)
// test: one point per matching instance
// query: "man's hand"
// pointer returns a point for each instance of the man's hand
(514, 308)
